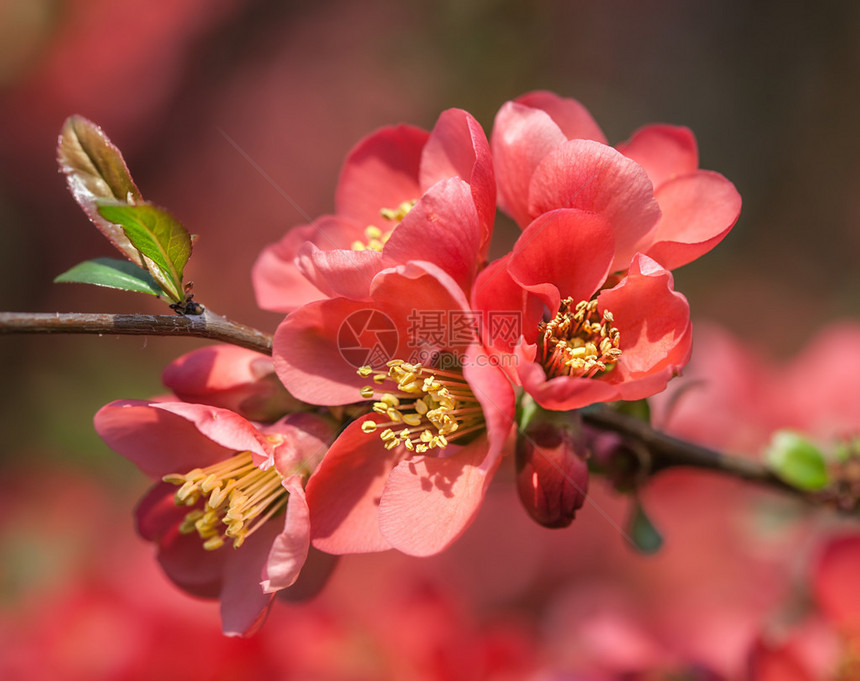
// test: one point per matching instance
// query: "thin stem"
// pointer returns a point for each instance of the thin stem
(207, 325)
(666, 452)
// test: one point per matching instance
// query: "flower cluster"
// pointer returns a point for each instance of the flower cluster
(405, 353)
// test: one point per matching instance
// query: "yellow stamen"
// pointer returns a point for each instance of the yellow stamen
(375, 238)
(578, 341)
(437, 407)
(238, 495)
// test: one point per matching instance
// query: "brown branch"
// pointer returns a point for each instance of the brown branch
(666, 452)
(207, 325)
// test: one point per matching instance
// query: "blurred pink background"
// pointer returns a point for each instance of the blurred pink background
(769, 88)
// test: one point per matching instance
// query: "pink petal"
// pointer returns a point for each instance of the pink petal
(278, 285)
(653, 322)
(381, 171)
(223, 427)
(214, 368)
(495, 393)
(156, 441)
(698, 212)
(563, 253)
(181, 556)
(428, 502)
(290, 548)
(244, 604)
(568, 114)
(563, 392)
(664, 151)
(521, 137)
(307, 356)
(508, 310)
(340, 272)
(442, 228)
(594, 177)
(343, 493)
(305, 439)
(458, 147)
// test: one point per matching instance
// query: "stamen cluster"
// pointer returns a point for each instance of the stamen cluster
(579, 341)
(376, 238)
(428, 409)
(236, 491)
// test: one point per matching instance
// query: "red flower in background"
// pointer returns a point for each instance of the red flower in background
(549, 154)
(403, 195)
(235, 481)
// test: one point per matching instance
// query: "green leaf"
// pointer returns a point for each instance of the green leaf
(645, 536)
(113, 273)
(95, 171)
(797, 461)
(157, 235)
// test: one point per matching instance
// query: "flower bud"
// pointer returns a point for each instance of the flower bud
(552, 475)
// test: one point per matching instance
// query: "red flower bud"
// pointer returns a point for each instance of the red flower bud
(552, 475)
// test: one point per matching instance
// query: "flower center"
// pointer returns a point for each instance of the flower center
(578, 341)
(428, 409)
(375, 238)
(237, 495)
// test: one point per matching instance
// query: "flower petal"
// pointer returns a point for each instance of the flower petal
(223, 427)
(653, 322)
(339, 272)
(698, 212)
(290, 548)
(181, 556)
(244, 604)
(156, 441)
(343, 493)
(597, 178)
(381, 171)
(568, 114)
(508, 310)
(442, 228)
(563, 253)
(664, 151)
(428, 502)
(521, 137)
(563, 392)
(494, 392)
(278, 285)
(306, 348)
(458, 147)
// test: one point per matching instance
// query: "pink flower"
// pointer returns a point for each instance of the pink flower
(412, 473)
(601, 342)
(222, 480)
(549, 154)
(403, 195)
